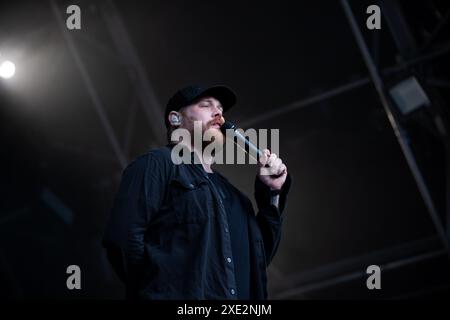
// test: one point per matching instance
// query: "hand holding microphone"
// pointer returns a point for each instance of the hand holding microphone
(271, 169)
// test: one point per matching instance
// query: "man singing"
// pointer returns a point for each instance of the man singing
(183, 231)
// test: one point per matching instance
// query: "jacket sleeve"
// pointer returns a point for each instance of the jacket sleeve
(269, 217)
(138, 199)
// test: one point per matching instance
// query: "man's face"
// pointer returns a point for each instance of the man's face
(208, 110)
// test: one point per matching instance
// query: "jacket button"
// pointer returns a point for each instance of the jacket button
(229, 260)
(191, 185)
(232, 291)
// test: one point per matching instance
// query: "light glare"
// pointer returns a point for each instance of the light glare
(7, 69)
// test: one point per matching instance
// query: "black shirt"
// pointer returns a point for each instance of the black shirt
(238, 228)
(168, 234)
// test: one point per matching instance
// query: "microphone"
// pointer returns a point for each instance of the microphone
(248, 145)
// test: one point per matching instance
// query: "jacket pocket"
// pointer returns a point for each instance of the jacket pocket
(190, 199)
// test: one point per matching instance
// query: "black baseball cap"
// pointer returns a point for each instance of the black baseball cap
(190, 94)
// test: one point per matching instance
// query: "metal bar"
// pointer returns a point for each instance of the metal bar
(342, 89)
(130, 124)
(355, 275)
(98, 105)
(101, 48)
(136, 70)
(376, 42)
(399, 28)
(398, 130)
(306, 102)
(343, 266)
(438, 29)
(445, 49)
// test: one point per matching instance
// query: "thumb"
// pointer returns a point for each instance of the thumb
(264, 158)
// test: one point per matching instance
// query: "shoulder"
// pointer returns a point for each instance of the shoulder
(155, 161)
(160, 154)
(152, 157)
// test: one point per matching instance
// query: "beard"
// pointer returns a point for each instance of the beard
(214, 138)
(211, 140)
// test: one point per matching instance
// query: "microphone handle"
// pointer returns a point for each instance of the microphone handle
(248, 144)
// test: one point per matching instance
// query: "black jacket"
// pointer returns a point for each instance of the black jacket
(167, 232)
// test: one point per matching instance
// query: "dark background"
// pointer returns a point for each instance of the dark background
(295, 65)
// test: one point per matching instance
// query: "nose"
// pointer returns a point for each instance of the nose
(217, 112)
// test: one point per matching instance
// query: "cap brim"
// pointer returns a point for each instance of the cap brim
(224, 94)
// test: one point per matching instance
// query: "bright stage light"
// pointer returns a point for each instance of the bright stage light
(7, 69)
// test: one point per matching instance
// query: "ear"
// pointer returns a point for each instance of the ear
(174, 118)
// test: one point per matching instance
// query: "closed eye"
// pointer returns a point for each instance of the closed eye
(210, 105)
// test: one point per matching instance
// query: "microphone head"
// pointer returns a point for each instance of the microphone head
(227, 125)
